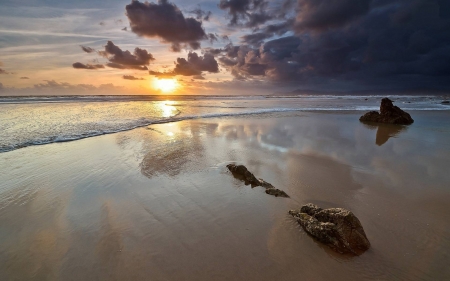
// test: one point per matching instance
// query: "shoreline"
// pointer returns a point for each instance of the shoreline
(174, 119)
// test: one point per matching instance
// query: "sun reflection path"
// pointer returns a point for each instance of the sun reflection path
(167, 109)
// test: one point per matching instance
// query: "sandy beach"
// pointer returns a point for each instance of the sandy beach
(157, 203)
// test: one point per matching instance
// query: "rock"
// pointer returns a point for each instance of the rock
(338, 228)
(242, 173)
(265, 184)
(446, 102)
(389, 113)
(276, 192)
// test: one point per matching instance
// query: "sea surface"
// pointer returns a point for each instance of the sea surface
(27, 121)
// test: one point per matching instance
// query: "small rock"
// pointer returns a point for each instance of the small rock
(242, 173)
(276, 192)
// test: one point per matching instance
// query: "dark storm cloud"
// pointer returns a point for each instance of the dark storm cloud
(392, 44)
(194, 65)
(79, 65)
(268, 31)
(130, 77)
(139, 59)
(165, 21)
(249, 13)
(87, 49)
(323, 14)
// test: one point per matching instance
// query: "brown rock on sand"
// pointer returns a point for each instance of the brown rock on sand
(338, 228)
(241, 172)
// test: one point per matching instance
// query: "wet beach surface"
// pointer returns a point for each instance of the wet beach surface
(158, 202)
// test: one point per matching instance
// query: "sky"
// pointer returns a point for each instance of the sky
(51, 47)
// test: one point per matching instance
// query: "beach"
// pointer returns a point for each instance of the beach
(158, 203)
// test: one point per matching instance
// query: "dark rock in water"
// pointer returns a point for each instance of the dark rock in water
(338, 228)
(389, 113)
(240, 172)
(446, 102)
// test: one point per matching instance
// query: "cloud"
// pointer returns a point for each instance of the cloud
(198, 77)
(24, 78)
(165, 21)
(2, 71)
(194, 65)
(79, 65)
(121, 66)
(249, 13)
(52, 87)
(87, 49)
(324, 14)
(268, 31)
(351, 45)
(139, 59)
(201, 14)
(118, 58)
(130, 77)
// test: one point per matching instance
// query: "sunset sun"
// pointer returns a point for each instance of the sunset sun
(166, 85)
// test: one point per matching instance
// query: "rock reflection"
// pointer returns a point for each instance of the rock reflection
(385, 131)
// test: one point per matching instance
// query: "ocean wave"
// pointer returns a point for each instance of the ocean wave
(136, 124)
(180, 117)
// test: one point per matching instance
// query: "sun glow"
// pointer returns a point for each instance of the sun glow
(166, 85)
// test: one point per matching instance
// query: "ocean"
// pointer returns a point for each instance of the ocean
(28, 121)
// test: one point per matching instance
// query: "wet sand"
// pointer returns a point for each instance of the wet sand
(157, 203)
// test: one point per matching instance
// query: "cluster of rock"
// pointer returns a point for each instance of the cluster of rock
(389, 114)
(241, 172)
(336, 227)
